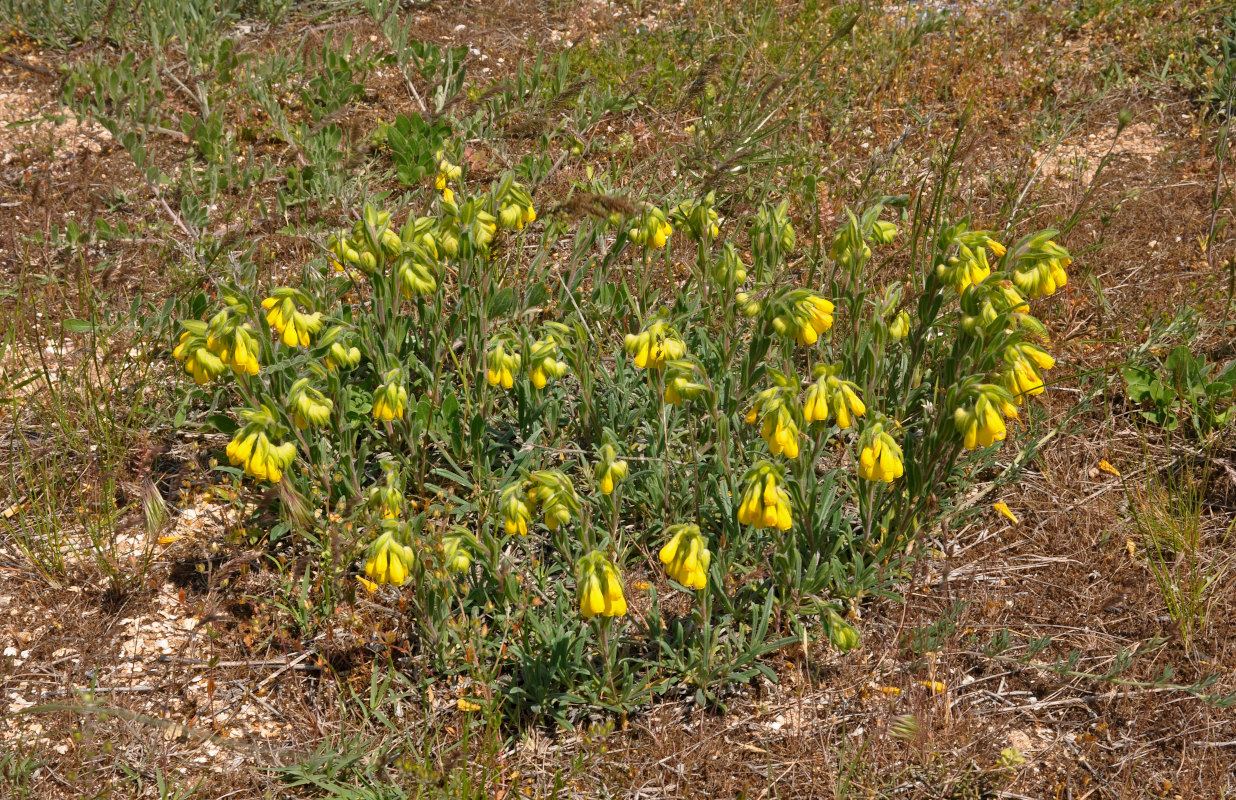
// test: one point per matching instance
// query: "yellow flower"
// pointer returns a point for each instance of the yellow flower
(980, 422)
(293, 326)
(455, 555)
(1040, 271)
(698, 218)
(501, 362)
(966, 268)
(556, 494)
(416, 272)
(388, 498)
(899, 328)
(686, 556)
(609, 469)
(390, 397)
(310, 408)
(880, 457)
(765, 501)
(342, 355)
(599, 587)
(390, 559)
(1025, 363)
(514, 206)
(1107, 467)
(935, 687)
(252, 448)
(653, 346)
(515, 511)
(543, 363)
(806, 315)
(1004, 510)
(830, 395)
(198, 359)
(652, 227)
(777, 424)
(233, 343)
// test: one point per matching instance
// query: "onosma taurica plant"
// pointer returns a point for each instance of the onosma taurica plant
(528, 427)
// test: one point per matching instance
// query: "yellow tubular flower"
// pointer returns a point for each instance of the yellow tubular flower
(388, 498)
(681, 383)
(342, 355)
(515, 511)
(655, 345)
(964, 269)
(609, 469)
(686, 556)
(543, 363)
(455, 555)
(765, 501)
(599, 587)
(390, 397)
(310, 408)
(389, 560)
(777, 424)
(900, 326)
(501, 364)
(253, 450)
(416, 273)
(880, 457)
(293, 326)
(1040, 271)
(829, 394)
(980, 421)
(1025, 363)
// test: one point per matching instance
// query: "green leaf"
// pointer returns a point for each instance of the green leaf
(78, 325)
(501, 302)
(223, 423)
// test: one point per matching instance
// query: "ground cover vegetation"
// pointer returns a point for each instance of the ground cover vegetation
(769, 399)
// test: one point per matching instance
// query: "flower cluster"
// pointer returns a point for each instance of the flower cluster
(880, 457)
(556, 495)
(830, 396)
(651, 227)
(390, 397)
(697, 218)
(209, 349)
(543, 362)
(804, 317)
(654, 345)
(390, 557)
(775, 412)
(502, 361)
(253, 447)
(514, 205)
(610, 469)
(310, 408)
(765, 501)
(1040, 267)
(295, 327)
(599, 587)
(686, 556)
(682, 381)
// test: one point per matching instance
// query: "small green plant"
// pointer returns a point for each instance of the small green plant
(1184, 388)
(506, 451)
(1183, 549)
